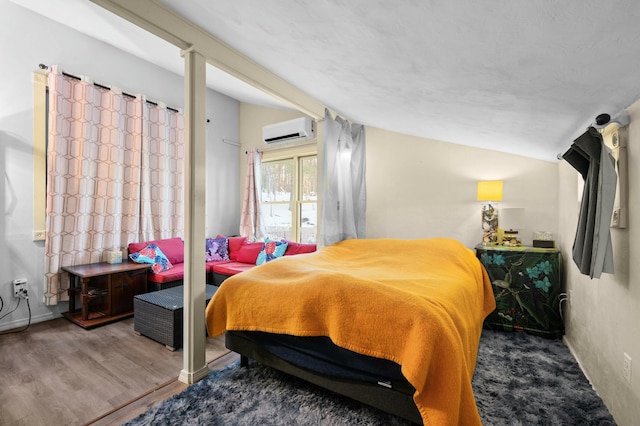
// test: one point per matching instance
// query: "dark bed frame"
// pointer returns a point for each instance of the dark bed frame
(393, 401)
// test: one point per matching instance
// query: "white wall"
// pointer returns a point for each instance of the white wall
(421, 188)
(29, 39)
(603, 315)
(223, 186)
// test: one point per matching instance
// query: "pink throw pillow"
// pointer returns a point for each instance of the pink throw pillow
(299, 248)
(249, 252)
(234, 245)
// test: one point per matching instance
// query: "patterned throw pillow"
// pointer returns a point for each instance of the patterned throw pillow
(217, 249)
(152, 255)
(271, 250)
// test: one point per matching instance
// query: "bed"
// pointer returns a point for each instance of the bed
(392, 323)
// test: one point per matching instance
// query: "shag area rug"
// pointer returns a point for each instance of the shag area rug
(519, 380)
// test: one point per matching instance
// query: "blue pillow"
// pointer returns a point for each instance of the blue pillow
(152, 255)
(271, 250)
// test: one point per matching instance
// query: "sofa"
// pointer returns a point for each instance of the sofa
(244, 255)
(225, 256)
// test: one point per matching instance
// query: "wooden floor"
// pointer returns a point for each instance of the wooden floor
(56, 373)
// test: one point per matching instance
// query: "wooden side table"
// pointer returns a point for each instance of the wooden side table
(528, 287)
(105, 290)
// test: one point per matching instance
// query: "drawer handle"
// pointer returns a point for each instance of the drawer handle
(138, 272)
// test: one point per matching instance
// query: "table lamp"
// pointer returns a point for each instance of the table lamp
(489, 192)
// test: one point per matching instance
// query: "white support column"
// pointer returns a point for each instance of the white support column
(194, 363)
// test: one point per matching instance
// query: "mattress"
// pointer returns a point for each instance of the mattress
(320, 355)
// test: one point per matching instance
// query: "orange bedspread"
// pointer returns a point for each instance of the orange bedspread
(420, 303)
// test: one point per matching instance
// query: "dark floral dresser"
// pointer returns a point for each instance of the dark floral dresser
(528, 287)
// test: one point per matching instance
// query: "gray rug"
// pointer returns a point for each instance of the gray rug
(519, 380)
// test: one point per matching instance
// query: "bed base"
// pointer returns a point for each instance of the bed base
(389, 400)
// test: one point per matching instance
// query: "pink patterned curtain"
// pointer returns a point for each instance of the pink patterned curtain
(250, 221)
(162, 195)
(94, 171)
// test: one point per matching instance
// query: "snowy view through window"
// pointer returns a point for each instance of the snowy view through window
(289, 199)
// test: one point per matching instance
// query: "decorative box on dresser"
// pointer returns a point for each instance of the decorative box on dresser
(528, 287)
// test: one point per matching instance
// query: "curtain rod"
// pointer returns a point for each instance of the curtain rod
(229, 141)
(622, 119)
(102, 86)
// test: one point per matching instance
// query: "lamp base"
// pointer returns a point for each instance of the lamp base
(489, 224)
(489, 238)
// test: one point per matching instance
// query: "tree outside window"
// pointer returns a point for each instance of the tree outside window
(289, 198)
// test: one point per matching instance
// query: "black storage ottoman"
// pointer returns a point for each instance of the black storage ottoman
(158, 315)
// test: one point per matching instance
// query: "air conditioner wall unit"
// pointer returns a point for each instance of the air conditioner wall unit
(303, 128)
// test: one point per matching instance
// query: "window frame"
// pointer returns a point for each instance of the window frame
(40, 106)
(297, 201)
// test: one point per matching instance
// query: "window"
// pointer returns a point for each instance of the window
(289, 198)
(40, 121)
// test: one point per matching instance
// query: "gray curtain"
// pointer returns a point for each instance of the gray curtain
(344, 193)
(592, 249)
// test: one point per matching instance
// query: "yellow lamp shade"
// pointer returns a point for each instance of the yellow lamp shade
(490, 190)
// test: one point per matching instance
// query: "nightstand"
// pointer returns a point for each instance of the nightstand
(528, 287)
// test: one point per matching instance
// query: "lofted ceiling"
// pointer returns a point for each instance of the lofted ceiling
(517, 76)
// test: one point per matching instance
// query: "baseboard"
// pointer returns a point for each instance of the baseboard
(195, 376)
(568, 343)
(22, 322)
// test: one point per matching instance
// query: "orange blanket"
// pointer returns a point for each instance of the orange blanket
(419, 303)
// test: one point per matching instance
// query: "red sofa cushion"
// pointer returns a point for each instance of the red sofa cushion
(234, 245)
(173, 274)
(210, 265)
(249, 252)
(299, 248)
(173, 248)
(232, 268)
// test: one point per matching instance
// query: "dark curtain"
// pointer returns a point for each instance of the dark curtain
(592, 250)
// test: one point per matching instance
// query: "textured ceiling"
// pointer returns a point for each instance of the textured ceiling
(518, 76)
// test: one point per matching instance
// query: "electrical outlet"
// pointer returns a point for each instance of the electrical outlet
(626, 368)
(20, 288)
